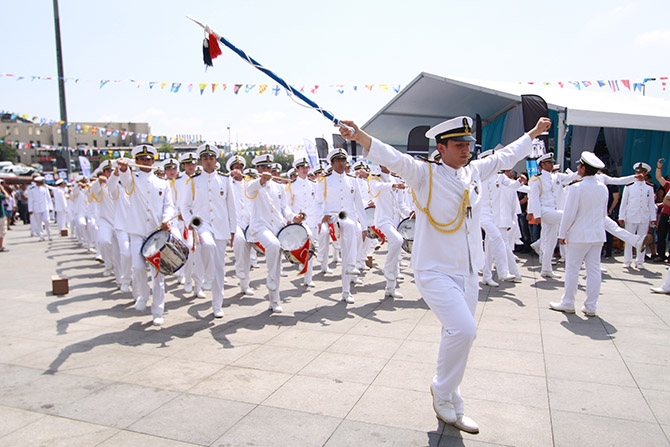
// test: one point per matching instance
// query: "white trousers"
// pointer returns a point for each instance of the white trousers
(453, 299)
(41, 223)
(242, 250)
(140, 283)
(123, 271)
(551, 220)
(494, 250)
(391, 267)
(634, 228)
(214, 260)
(273, 261)
(107, 245)
(589, 254)
(351, 239)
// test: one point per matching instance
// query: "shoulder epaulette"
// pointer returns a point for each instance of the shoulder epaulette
(195, 174)
(422, 158)
(224, 174)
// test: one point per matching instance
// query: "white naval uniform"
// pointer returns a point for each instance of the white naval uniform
(241, 247)
(40, 205)
(183, 188)
(389, 211)
(105, 237)
(546, 189)
(301, 197)
(446, 262)
(214, 203)
(497, 247)
(60, 206)
(637, 210)
(119, 197)
(270, 214)
(336, 193)
(149, 204)
(583, 228)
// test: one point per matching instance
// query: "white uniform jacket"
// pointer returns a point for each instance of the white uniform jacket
(301, 197)
(637, 203)
(545, 191)
(213, 200)
(40, 200)
(454, 195)
(270, 208)
(102, 201)
(388, 208)
(244, 202)
(149, 199)
(339, 192)
(585, 212)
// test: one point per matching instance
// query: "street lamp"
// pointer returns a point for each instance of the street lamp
(229, 142)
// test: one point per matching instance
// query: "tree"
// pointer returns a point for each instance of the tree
(8, 153)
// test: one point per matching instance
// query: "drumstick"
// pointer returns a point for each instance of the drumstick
(161, 224)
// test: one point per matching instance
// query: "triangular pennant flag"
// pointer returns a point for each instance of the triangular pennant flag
(163, 85)
(236, 88)
(249, 87)
(202, 87)
(314, 89)
(175, 87)
(626, 83)
(103, 83)
(262, 88)
(214, 86)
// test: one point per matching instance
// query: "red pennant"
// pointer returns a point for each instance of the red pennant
(258, 244)
(155, 260)
(302, 255)
(214, 49)
(379, 233)
(331, 230)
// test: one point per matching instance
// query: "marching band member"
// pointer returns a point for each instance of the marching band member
(39, 207)
(184, 186)
(150, 208)
(496, 240)
(389, 212)
(170, 167)
(106, 209)
(543, 203)
(60, 203)
(339, 201)
(213, 204)
(301, 200)
(582, 230)
(448, 232)
(270, 213)
(242, 249)
(118, 196)
(636, 212)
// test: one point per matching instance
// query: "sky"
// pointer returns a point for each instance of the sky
(308, 42)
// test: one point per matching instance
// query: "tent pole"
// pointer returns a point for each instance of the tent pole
(560, 138)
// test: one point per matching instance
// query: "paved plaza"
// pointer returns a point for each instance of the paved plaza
(87, 369)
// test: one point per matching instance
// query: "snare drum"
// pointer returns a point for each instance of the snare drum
(295, 244)
(373, 232)
(256, 245)
(406, 230)
(165, 252)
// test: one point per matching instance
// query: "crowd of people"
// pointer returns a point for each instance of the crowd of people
(459, 215)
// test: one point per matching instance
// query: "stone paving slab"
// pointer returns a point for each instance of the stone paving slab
(87, 369)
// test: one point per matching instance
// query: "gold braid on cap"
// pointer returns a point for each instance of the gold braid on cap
(460, 215)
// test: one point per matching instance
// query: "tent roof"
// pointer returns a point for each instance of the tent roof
(430, 99)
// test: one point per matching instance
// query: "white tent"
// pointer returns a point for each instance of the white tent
(429, 99)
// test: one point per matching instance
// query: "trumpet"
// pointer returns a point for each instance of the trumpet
(342, 215)
(196, 222)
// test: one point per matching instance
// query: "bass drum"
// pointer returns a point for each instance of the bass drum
(406, 230)
(370, 217)
(165, 252)
(293, 238)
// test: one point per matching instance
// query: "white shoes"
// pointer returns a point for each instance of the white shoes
(392, 294)
(206, 286)
(218, 313)
(587, 312)
(348, 298)
(517, 279)
(158, 321)
(326, 271)
(561, 308)
(247, 291)
(444, 409)
(357, 281)
(490, 282)
(200, 294)
(140, 304)
(352, 270)
(276, 308)
(550, 275)
(466, 424)
(660, 290)
(125, 288)
(106, 273)
(309, 284)
(509, 277)
(188, 288)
